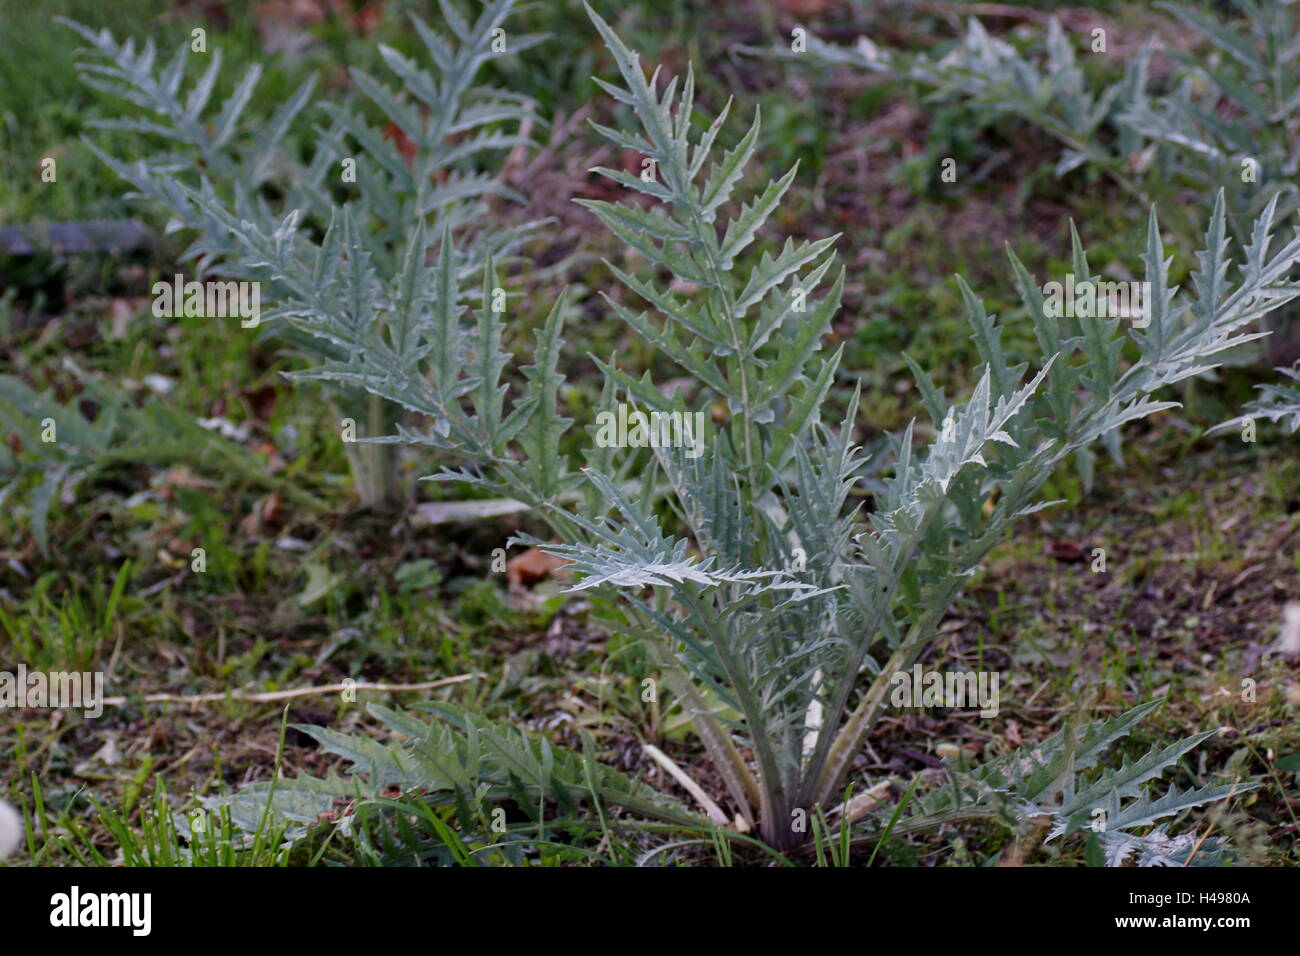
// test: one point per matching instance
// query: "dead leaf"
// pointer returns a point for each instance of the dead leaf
(1013, 733)
(1064, 550)
(272, 509)
(106, 756)
(442, 512)
(530, 567)
(368, 18)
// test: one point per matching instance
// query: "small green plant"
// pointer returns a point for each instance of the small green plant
(1234, 121)
(1230, 124)
(773, 608)
(61, 446)
(1279, 402)
(1085, 116)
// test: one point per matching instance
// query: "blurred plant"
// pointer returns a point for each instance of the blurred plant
(1234, 121)
(423, 170)
(61, 446)
(1278, 402)
(1230, 124)
(1086, 117)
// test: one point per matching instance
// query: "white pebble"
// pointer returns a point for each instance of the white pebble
(11, 830)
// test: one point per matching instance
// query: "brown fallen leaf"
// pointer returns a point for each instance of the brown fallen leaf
(1064, 550)
(267, 514)
(368, 18)
(273, 509)
(530, 567)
